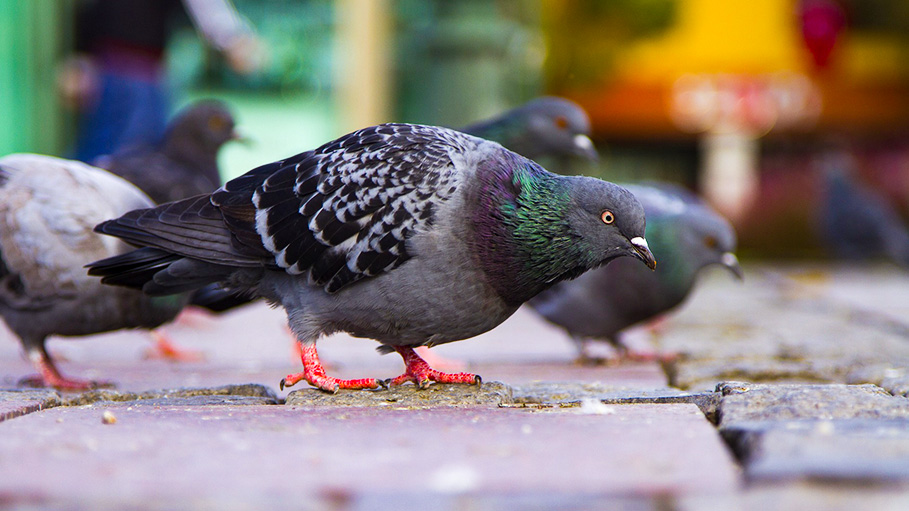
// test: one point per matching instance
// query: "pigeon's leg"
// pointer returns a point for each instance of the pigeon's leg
(419, 372)
(631, 354)
(165, 349)
(314, 374)
(434, 359)
(49, 376)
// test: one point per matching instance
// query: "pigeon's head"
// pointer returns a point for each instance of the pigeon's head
(706, 238)
(534, 228)
(207, 125)
(559, 126)
(607, 221)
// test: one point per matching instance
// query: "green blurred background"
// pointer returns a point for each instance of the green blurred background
(681, 90)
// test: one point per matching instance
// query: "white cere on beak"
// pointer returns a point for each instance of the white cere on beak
(639, 242)
(584, 142)
(729, 259)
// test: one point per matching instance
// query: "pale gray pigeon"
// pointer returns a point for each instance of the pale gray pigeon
(411, 235)
(48, 210)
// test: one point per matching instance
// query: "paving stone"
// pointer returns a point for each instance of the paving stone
(831, 432)
(407, 396)
(238, 457)
(870, 450)
(15, 403)
(795, 323)
(744, 402)
(248, 393)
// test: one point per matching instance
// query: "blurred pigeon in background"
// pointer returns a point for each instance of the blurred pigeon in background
(685, 236)
(857, 223)
(48, 210)
(185, 163)
(410, 235)
(544, 127)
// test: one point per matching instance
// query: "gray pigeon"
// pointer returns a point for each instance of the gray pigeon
(185, 163)
(856, 222)
(48, 208)
(543, 127)
(410, 235)
(685, 235)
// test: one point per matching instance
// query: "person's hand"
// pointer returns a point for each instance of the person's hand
(77, 82)
(246, 54)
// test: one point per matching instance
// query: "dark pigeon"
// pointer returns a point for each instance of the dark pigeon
(685, 235)
(410, 235)
(48, 210)
(185, 163)
(544, 127)
(856, 222)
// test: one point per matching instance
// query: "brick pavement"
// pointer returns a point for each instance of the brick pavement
(555, 435)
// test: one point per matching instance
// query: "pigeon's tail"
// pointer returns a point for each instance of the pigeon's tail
(132, 269)
(186, 245)
(157, 272)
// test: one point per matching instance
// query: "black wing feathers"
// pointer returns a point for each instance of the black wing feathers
(342, 212)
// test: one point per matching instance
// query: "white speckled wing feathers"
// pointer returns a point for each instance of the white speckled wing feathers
(345, 210)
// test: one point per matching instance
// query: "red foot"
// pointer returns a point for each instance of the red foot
(419, 372)
(314, 374)
(165, 349)
(49, 376)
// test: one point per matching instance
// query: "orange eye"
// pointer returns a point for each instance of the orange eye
(561, 122)
(217, 123)
(711, 242)
(607, 217)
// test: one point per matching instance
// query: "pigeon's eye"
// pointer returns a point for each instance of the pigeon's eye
(561, 122)
(710, 242)
(217, 123)
(607, 217)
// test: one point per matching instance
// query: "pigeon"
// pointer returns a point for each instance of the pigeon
(407, 234)
(48, 210)
(185, 163)
(855, 222)
(685, 235)
(544, 127)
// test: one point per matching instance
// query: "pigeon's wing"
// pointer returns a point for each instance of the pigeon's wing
(48, 208)
(345, 211)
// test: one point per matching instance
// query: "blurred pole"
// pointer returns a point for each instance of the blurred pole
(32, 37)
(729, 174)
(364, 67)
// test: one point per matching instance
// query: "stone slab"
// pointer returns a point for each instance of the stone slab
(408, 396)
(816, 432)
(744, 402)
(796, 323)
(16, 403)
(316, 457)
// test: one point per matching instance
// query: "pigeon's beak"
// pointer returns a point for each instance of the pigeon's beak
(239, 136)
(642, 251)
(584, 147)
(731, 262)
